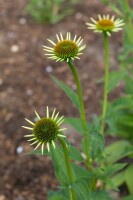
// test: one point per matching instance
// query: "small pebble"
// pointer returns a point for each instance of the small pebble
(19, 149)
(14, 48)
(2, 197)
(85, 98)
(49, 69)
(22, 21)
(11, 34)
(78, 15)
(29, 92)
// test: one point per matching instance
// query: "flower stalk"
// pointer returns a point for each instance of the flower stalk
(106, 79)
(82, 113)
(69, 169)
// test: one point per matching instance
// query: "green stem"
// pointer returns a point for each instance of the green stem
(129, 24)
(69, 168)
(106, 50)
(82, 113)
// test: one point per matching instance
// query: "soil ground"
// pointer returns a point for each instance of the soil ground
(25, 86)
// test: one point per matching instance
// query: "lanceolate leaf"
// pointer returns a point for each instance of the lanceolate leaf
(96, 144)
(129, 178)
(81, 172)
(109, 171)
(58, 195)
(69, 92)
(75, 154)
(130, 197)
(117, 151)
(112, 169)
(59, 165)
(82, 189)
(100, 195)
(76, 124)
(118, 179)
(114, 79)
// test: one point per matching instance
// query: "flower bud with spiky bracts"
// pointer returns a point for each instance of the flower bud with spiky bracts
(105, 24)
(65, 49)
(45, 130)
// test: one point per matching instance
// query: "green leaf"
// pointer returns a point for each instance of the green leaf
(129, 85)
(118, 179)
(120, 117)
(100, 195)
(130, 197)
(112, 169)
(114, 78)
(59, 165)
(96, 144)
(95, 126)
(76, 124)
(75, 154)
(126, 119)
(69, 92)
(105, 174)
(95, 138)
(81, 172)
(58, 195)
(82, 189)
(118, 150)
(129, 178)
(108, 172)
(122, 103)
(111, 185)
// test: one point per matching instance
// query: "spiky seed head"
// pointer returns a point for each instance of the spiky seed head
(65, 49)
(105, 24)
(45, 130)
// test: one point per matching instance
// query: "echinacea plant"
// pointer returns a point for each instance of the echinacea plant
(44, 132)
(67, 50)
(84, 182)
(105, 25)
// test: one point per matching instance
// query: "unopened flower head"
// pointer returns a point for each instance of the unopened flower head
(105, 24)
(45, 130)
(65, 49)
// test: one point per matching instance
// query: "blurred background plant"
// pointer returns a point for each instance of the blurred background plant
(120, 111)
(50, 11)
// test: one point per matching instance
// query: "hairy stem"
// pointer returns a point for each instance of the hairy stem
(82, 114)
(106, 77)
(69, 168)
(129, 24)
